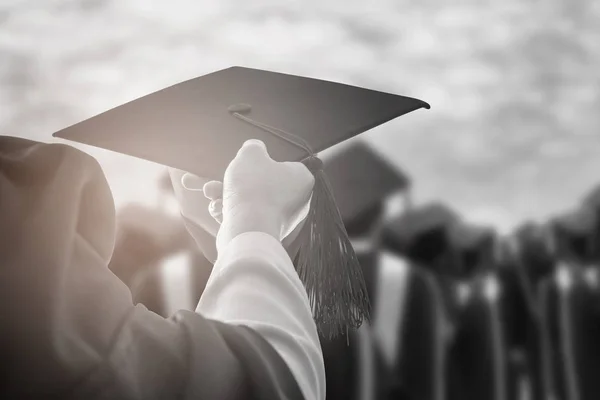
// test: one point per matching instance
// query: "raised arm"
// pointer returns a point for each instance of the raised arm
(69, 328)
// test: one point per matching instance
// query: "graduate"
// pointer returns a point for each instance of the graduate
(570, 309)
(70, 328)
(450, 346)
(420, 236)
(363, 183)
(525, 271)
(477, 359)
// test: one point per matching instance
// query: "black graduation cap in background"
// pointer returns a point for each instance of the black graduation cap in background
(420, 233)
(574, 233)
(361, 180)
(474, 245)
(534, 248)
(199, 125)
(592, 199)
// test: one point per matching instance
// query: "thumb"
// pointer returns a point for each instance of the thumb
(215, 209)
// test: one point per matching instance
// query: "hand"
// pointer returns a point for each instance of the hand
(260, 194)
(194, 208)
(214, 191)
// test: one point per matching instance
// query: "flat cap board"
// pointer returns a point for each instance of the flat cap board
(190, 126)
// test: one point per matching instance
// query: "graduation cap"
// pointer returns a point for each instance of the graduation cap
(474, 244)
(420, 233)
(361, 180)
(592, 199)
(574, 233)
(532, 243)
(199, 125)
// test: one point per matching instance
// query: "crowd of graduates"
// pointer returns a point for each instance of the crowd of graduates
(458, 311)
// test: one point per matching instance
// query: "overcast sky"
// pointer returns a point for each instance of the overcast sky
(64, 61)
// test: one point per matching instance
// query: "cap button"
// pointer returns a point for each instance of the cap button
(314, 164)
(240, 108)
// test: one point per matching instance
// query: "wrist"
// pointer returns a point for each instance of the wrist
(246, 219)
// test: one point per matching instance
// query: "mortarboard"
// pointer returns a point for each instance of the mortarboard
(533, 244)
(361, 180)
(475, 245)
(421, 232)
(199, 125)
(574, 233)
(592, 199)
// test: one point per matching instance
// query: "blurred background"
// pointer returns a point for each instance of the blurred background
(514, 85)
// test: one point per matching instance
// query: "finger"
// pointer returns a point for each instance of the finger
(215, 209)
(255, 142)
(213, 190)
(216, 206)
(193, 182)
(218, 217)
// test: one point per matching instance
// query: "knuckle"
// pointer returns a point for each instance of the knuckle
(254, 142)
(254, 148)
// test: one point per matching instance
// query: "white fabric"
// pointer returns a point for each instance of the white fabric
(366, 359)
(254, 283)
(392, 289)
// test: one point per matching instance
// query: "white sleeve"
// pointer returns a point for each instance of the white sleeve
(254, 283)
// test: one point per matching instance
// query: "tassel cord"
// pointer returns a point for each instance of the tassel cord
(326, 262)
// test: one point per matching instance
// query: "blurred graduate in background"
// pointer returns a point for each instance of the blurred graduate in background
(368, 189)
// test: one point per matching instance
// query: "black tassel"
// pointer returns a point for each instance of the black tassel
(327, 264)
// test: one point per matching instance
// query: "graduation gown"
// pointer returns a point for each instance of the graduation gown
(521, 278)
(523, 275)
(520, 329)
(476, 360)
(349, 368)
(419, 362)
(364, 364)
(70, 329)
(572, 320)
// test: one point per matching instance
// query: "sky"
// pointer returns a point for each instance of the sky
(514, 86)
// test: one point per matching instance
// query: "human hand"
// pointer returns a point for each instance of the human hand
(260, 194)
